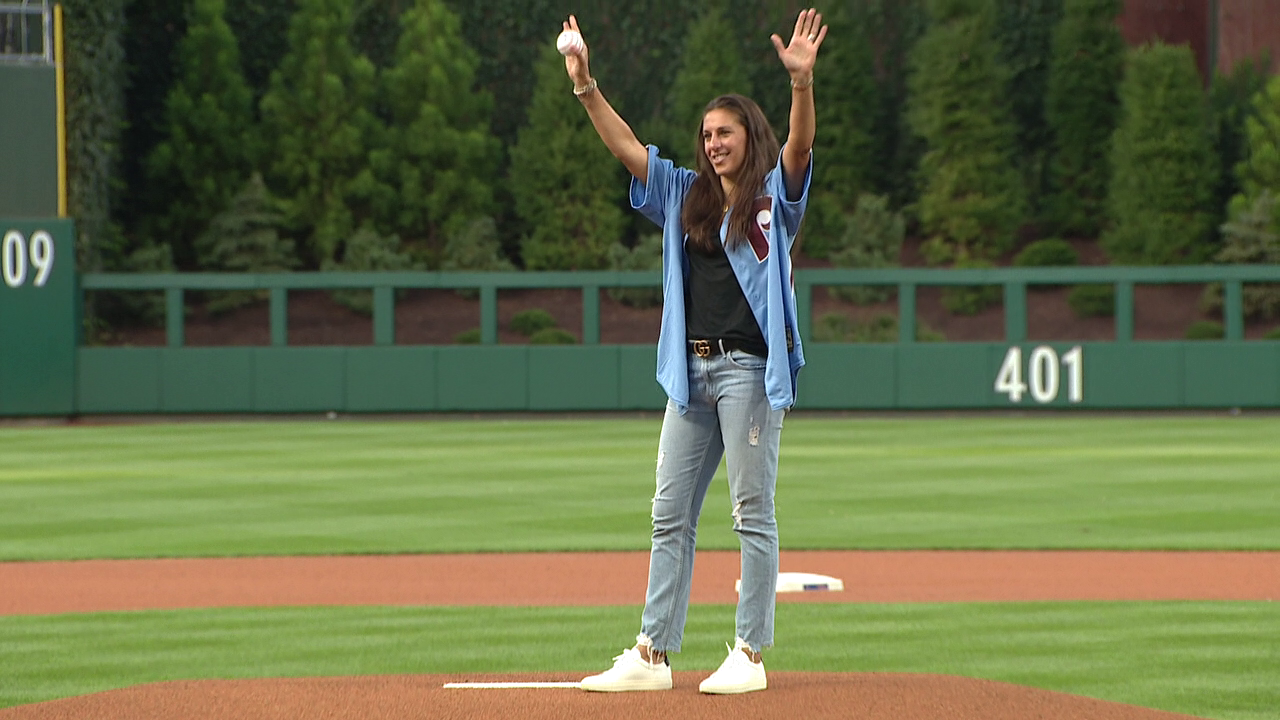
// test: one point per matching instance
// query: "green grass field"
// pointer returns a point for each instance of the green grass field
(309, 487)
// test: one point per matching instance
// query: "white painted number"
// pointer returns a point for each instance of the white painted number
(15, 256)
(1043, 377)
(42, 256)
(15, 259)
(1009, 379)
(1074, 361)
(1043, 370)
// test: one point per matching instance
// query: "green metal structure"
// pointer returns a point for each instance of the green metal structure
(48, 371)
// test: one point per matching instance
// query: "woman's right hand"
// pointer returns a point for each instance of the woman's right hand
(576, 63)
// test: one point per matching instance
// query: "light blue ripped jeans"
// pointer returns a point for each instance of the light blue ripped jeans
(728, 415)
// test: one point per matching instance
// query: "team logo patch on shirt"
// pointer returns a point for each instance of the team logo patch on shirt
(758, 233)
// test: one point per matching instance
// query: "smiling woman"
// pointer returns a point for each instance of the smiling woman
(729, 349)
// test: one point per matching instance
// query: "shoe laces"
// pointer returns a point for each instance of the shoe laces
(626, 654)
(741, 657)
(633, 653)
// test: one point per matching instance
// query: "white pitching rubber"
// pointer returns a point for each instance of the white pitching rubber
(508, 685)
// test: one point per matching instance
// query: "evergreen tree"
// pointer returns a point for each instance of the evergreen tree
(262, 32)
(95, 120)
(377, 28)
(206, 154)
(442, 159)
(1162, 164)
(1025, 29)
(155, 28)
(1232, 102)
(318, 115)
(710, 65)
(1252, 236)
(844, 147)
(895, 26)
(1259, 171)
(567, 186)
(476, 248)
(972, 199)
(245, 238)
(1082, 109)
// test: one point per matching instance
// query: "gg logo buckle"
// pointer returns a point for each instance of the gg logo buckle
(702, 348)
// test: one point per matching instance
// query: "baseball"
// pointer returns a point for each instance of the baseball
(570, 42)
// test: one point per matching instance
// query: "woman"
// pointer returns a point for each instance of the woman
(728, 351)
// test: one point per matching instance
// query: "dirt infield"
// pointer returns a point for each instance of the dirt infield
(603, 579)
(613, 578)
(812, 696)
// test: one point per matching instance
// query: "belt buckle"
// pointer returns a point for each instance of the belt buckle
(702, 348)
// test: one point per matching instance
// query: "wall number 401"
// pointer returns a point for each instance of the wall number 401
(1044, 374)
(16, 256)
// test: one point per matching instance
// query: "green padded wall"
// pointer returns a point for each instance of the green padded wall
(28, 142)
(39, 317)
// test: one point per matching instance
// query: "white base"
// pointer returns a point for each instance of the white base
(802, 582)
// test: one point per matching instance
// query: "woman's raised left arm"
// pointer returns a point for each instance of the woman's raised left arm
(798, 58)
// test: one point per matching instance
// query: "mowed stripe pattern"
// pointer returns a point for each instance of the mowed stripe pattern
(438, 486)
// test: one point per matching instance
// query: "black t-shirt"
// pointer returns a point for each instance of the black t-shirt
(715, 307)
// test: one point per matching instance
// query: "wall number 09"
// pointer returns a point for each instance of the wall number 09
(1044, 374)
(16, 255)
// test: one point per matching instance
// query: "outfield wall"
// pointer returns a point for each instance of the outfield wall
(46, 370)
(613, 377)
(28, 141)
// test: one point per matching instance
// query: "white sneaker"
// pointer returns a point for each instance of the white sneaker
(737, 674)
(630, 672)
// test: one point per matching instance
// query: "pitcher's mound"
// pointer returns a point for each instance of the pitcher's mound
(867, 696)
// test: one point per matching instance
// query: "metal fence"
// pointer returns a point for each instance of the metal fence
(1014, 283)
(26, 32)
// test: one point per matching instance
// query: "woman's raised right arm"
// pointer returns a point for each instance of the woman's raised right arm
(613, 130)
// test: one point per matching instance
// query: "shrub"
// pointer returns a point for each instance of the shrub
(1205, 330)
(1252, 236)
(837, 327)
(846, 117)
(646, 255)
(831, 327)
(872, 239)
(442, 159)
(567, 187)
(1259, 171)
(1273, 334)
(879, 329)
(710, 65)
(206, 153)
(529, 322)
(365, 251)
(1233, 103)
(1053, 252)
(553, 336)
(468, 337)
(971, 299)
(321, 131)
(1024, 29)
(245, 238)
(1081, 109)
(972, 199)
(475, 248)
(1162, 164)
(1093, 300)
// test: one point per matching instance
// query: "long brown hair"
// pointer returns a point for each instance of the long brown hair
(704, 205)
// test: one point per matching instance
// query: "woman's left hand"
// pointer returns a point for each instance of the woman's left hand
(799, 55)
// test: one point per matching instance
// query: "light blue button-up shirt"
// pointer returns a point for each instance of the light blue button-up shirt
(762, 266)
